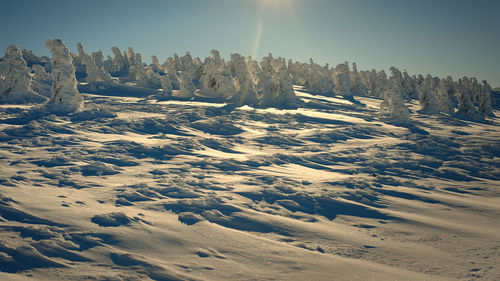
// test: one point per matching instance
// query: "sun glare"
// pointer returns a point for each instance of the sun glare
(274, 5)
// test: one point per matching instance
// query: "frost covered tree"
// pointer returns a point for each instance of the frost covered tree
(317, 79)
(177, 63)
(466, 105)
(265, 64)
(140, 71)
(30, 58)
(428, 102)
(153, 80)
(15, 86)
(410, 85)
(80, 70)
(358, 88)
(443, 98)
(475, 89)
(216, 79)
(381, 84)
(41, 82)
(278, 90)
(393, 105)
(95, 74)
(398, 77)
(98, 58)
(369, 79)
(143, 76)
(342, 80)
(187, 87)
(188, 63)
(111, 66)
(166, 85)
(169, 69)
(65, 97)
(297, 72)
(484, 100)
(120, 60)
(155, 64)
(131, 56)
(244, 86)
(258, 77)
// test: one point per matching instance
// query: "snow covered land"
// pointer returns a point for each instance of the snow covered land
(234, 169)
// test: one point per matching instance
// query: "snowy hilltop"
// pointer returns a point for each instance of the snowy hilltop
(238, 169)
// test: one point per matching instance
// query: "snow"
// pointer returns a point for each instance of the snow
(95, 73)
(65, 97)
(141, 185)
(15, 79)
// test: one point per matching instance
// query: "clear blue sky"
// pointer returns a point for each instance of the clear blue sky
(440, 37)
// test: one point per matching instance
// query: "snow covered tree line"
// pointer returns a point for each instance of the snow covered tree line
(242, 81)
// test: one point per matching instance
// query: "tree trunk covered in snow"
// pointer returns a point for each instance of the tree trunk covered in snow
(65, 97)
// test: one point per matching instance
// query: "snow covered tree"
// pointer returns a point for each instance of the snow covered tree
(410, 85)
(342, 80)
(153, 80)
(95, 74)
(475, 89)
(41, 82)
(278, 90)
(143, 76)
(140, 71)
(187, 87)
(111, 66)
(398, 77)
(30, 58)
(318, 79)
(155, 64)
(65, 97)
(169, 69)
(484, 100)
(369, 79)
(443, 98)
(166, 85)
(177, 63)
(131, 56)
(393, 105)
(358, 88)
(244, 86)
(120, 60)
(381, 84)
(188, 63)
(256, 74)
(15, 86)
(466, 105)
(216, 79)
(427, 97)
(265, 64)
(98, 58)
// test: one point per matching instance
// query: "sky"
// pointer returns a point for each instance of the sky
(437, 37)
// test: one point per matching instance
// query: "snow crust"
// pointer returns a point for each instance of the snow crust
(278, 170)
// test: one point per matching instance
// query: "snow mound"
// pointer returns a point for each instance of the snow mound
(217, 126)
(97, 169)
(111, 220)
(92, 114)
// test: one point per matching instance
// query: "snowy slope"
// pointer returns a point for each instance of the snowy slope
(170, 190)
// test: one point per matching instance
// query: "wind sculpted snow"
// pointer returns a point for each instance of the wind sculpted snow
(197, 191)
(139, 184)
